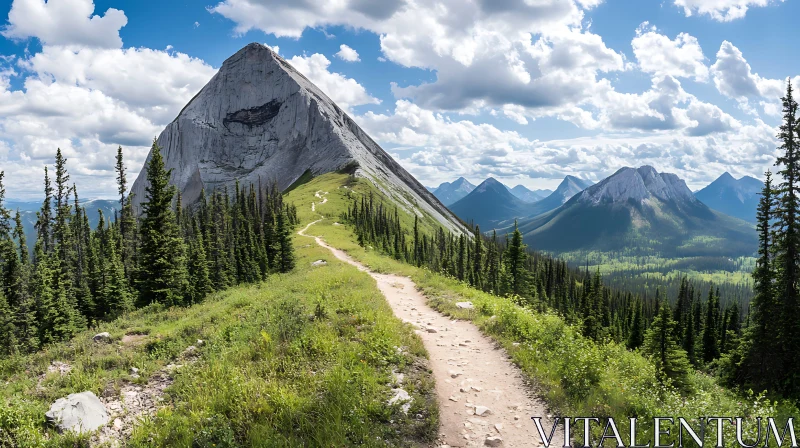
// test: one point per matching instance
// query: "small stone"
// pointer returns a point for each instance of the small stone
(133, 371)
(430, 330)
(463, 390)
(454, 373)
(401, 396)
(482, 410)
(117, 424)
(319, 263)
(498, 427)
(465, 305)
(454, 398)
(516, 417)
(515, 344)
(475, 388)
(200, 343)
(493, 441)
(102, 337)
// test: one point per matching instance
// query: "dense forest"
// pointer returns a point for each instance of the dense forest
(700, 329)
(168, 254)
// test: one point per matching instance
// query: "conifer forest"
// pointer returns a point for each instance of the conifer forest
(76, 276)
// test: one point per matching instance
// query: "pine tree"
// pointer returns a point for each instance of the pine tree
(710, 336)
(162, 269)
(660, 344)
(514, 257)
(636, 336)
(477, 259)
(199, 281)
(8, 331)
(286, 252)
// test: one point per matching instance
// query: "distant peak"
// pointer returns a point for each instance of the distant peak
(726, 175)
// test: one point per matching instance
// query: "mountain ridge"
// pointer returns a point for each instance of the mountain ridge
(735, 197)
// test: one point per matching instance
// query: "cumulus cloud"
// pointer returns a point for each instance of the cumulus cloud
(65, 22)
(657, 54)
(347, 54)
(486, 54)
(436, 148)
(734, 77)
(86, 95)
(346, 92)
(721, 10)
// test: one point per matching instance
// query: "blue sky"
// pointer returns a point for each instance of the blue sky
(527, 94)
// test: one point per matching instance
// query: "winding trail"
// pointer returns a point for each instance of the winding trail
(470, 370)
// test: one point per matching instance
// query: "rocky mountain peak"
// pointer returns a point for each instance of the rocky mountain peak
(258, 120)
(638, 184)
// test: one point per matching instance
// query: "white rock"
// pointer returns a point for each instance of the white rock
(319, 263)
(493, 441)
(465, 305)
(402, 397)
(102, 337)
(482, 410)
(454, 373)
(81, 412)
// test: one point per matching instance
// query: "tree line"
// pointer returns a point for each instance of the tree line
(690, 330)
(169, 255)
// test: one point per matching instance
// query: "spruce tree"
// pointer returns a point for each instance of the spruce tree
(477, 259)
(710, 329)
(162, 269)
(670, 360)
(199, 281)
(286, 254)
(515, 256)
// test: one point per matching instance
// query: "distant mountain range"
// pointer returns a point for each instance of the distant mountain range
(451, 192)
(640, 210)
(28, 210)
(489, 205)
(529, 195)
(493, 205)
(735, 197)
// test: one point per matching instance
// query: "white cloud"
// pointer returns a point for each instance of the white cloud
(721, 10)
(657, 54)
(485, 53)
(734, 77)
(347, 54)
(65, 22)
(346, 92)
(196, 24)
(436, 148)
(86, 98)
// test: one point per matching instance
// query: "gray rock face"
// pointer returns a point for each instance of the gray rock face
(260, 120)
(82, 412)
(639, 185)
(102, 337)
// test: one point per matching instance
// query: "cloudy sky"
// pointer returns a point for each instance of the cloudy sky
(526, 91)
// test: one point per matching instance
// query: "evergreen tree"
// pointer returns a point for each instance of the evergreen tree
(710, 331)
(477, 259)
(199, 280)
(286, 256)
(636, 336)
(515, 257)
(660, 344)
(162, 269)
(8, 331)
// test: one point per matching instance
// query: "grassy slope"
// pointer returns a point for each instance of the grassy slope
(302, 359)
(575, 375)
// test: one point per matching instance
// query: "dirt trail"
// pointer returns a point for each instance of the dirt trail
(471, 372)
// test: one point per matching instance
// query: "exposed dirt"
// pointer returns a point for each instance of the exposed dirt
(481, 393)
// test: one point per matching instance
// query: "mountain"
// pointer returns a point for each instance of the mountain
(640, 211)
(529, 195)
(258, 120)
(451, 192)
(735, 197)
(28, 210)
(490, 204)
(568, 188)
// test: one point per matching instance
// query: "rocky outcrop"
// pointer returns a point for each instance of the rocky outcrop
(260, 120)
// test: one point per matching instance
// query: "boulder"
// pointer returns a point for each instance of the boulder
(465, 305)
(81, 412)
(102, 337)
(319, 263)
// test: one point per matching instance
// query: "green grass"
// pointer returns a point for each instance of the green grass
(303, 359)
